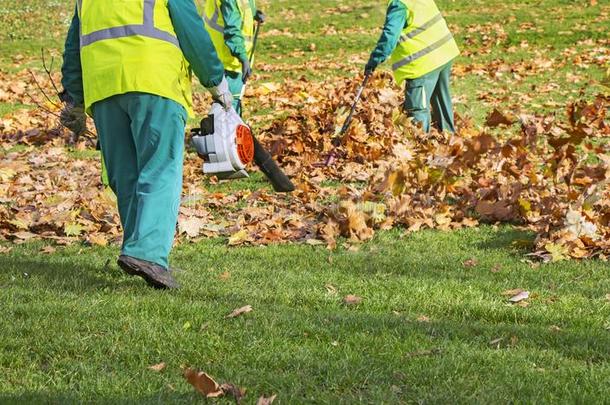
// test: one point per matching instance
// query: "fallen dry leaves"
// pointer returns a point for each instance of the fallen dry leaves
(549, 174)
(469, 263)
(206, 386)
(240, 311)
(158, 367)
(352, 300)
(266, 400)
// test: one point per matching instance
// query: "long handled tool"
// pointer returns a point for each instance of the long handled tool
(330, 159)
(263, 159)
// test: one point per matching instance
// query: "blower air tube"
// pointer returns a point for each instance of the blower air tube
(263, 159)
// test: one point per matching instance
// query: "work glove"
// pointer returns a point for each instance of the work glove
(260, 17)
(370, 67)
(246, 70)
(221, 94)
(74, 118)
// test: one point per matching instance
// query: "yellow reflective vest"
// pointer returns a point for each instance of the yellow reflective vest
(425, 43)
(214, 24)
(131, 46)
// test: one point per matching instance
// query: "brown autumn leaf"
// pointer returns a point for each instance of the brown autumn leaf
(352, 300)
(240, 311)
(203, 383)
(266, 400)
(98, 240)
(24, 235)
(496, 268)
(497, 118)
(191, 226)
(48, 250)
(158, 367)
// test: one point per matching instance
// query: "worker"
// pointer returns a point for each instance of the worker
(128, 64)
(421, 50)
(231, 25)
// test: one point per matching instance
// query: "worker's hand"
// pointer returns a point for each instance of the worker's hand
(370, 68)
(260, 17)
(74, 118)
(221, 94)
(246, 70)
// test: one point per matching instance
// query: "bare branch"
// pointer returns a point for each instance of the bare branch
(42, 90)
(49, 71)
(43, 108)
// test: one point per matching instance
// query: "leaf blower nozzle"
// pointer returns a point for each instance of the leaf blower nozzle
(224, 142)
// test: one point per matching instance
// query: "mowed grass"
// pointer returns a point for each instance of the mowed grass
(76, 329)
(428, 330)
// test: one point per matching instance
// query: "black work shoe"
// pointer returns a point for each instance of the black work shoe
(155, 275)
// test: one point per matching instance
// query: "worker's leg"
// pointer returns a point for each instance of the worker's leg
(236, 83)
(157, 126)
(417, 98)
(119, 156)
(442, 107)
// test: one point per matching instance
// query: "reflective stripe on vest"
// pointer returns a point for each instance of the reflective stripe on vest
(146, 29)
(417, 55)
(213, 22)
(419, 30)
(131, 46)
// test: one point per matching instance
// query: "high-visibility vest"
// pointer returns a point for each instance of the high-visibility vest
(214, 23)
(425, 43)
(131, 46)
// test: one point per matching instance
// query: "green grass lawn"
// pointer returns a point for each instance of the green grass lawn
(76, 329)
(429, 329)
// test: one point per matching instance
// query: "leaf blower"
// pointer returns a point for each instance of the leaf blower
(224, 142)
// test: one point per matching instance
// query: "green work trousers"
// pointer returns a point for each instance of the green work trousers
(236, 83)
(142, 141)
(428, 98)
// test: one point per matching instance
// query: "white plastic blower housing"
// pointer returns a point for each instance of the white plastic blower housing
(224, 142)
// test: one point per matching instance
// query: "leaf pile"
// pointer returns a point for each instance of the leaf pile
(543, 172)
(551, 175)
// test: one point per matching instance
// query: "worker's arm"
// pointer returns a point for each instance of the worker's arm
(395, 22)
(195, 42)
(72, 75)
(234, 38)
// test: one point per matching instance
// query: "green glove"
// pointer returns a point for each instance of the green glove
(370, 67)
(246, 70)
(74, 118)
(260, 17)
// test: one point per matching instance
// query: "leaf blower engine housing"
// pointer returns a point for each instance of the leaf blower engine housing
(224, 142)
